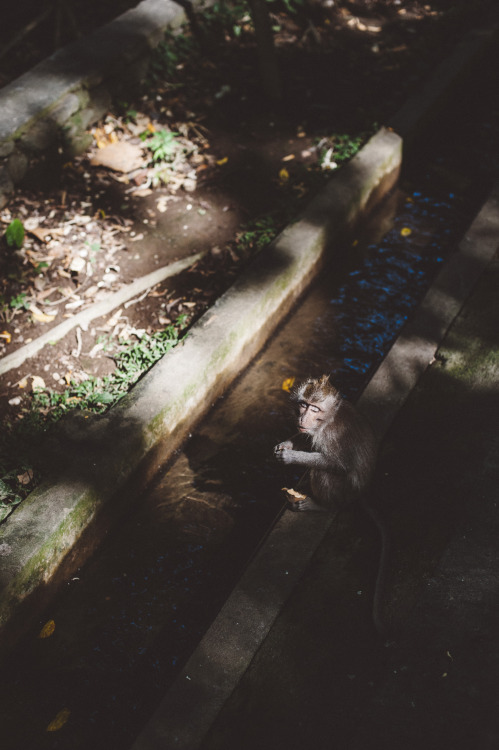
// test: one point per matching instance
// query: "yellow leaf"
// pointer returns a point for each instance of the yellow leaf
(222, 161)
(67, 377)
(405, 231)
(151, 127)
(59, 720)
(47, 629)
(7, 336)
(23, 383)
(283, 175)
(40, 316)
(289, 157)
(288, 384)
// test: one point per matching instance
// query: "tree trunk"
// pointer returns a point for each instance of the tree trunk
(267, 58)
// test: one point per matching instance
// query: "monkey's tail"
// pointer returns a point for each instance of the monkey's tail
(379, 586)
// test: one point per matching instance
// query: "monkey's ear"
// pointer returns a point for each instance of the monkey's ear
(324, 381)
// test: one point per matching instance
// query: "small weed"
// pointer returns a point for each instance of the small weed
(19, 302)
(20, 440)
(8, 308)
(14, 234)
(161, 144)
(170, 55)
(129, 113)
(9, 498)
(340, 148)
(256, 235)
(223, 19)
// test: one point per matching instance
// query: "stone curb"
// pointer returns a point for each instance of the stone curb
(59, 525)
(56, 101)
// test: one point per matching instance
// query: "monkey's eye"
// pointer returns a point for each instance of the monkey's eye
(313, 408)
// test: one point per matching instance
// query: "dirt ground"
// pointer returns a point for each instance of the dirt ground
(236, 171)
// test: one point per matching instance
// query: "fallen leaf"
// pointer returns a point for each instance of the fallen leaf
(6, 336)
(289, 157)
(288, 384)
(59, 720)
(25, 478)
(40, 316)
(37, 383)
(405, 231)
(220, 162)
(283, 175)
(47, 630)
(120, 157)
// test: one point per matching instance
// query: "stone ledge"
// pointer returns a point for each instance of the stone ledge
(58, 525)
(59, 98)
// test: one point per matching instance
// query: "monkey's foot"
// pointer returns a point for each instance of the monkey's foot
(298, 502)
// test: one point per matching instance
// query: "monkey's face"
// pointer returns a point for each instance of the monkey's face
(310, 416)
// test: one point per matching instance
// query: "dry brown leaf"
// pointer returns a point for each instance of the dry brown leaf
(120, 157)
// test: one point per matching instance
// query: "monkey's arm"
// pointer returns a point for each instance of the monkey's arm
(296, 442)
(312, 460)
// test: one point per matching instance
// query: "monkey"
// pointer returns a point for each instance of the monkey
(338, 449)
(343, 447)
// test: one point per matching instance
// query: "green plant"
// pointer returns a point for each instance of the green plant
(290, 5)
(9, 498)
(19, 302)
(20, 441)
(257, 234)
(14, 234)
(129, 113)
(341, 147)
(161, 144)
(224, 18)
(170, 54)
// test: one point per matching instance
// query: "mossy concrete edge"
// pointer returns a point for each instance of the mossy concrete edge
(37, 541)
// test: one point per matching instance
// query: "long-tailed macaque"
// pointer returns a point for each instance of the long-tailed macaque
(338, 449)
(341, 450)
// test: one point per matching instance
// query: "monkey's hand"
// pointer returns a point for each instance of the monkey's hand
(286, 446)
(285, 454)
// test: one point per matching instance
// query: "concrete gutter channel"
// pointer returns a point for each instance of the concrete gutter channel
(58, 525)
